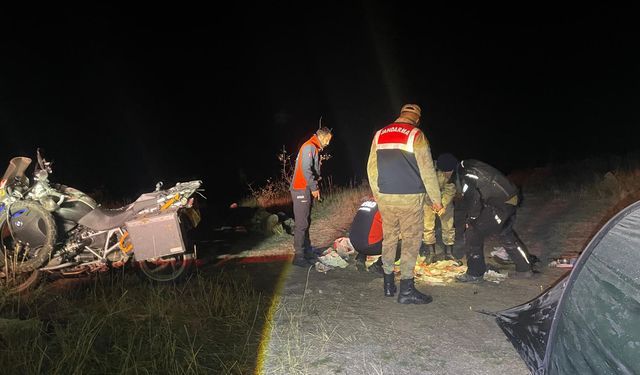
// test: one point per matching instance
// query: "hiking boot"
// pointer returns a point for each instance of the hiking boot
(448, 252)
(523, 275)
(466, 278)
(311, 255)
(389, 284)
(376, 267)
(429, 251)
(301, 261)
(409, 294)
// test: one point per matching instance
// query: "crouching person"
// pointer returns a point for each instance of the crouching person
(489, 201)
(365, 235)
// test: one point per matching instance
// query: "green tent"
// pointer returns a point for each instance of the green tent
(589, 321)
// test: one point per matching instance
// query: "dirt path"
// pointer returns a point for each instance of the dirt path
(340, 322)
(559, 226)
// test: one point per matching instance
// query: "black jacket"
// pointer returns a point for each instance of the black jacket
(482, 185)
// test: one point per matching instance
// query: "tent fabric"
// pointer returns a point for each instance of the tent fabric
(527, 326)
(587, 323)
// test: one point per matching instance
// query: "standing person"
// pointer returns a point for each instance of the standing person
(489, 201)
(401, 173)
(304, 189)
(445, 165)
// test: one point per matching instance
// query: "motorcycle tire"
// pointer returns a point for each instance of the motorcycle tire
(172, 268)
(23, 282)
(33, 226)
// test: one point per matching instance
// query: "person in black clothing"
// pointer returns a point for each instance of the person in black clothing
(365, 235)
(489, 203)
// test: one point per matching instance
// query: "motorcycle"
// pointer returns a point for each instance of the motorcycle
(55, 230)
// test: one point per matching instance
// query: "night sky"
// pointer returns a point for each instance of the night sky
(121, 98)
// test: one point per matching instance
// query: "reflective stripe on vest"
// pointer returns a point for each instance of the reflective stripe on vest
(396, 137)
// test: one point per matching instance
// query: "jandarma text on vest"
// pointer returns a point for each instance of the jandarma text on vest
(395, 129)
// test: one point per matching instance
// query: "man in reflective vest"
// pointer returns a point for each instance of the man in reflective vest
(304, 188)
(402, 175)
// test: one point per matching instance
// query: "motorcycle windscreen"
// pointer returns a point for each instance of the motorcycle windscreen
(527, 326)
(17, 167)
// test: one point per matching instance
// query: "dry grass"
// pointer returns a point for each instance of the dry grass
(615, 177)
(332, 216)
(211, 324)
(275, 193)
(330, 219)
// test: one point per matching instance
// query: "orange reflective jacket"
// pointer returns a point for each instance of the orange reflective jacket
(307, 171)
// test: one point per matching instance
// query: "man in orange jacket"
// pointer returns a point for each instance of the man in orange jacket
(304, 188)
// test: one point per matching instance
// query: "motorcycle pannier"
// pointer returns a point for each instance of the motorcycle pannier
(156, 236)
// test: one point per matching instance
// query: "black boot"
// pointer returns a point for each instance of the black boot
(389, 285)
(466, 278)
(304, 258)
(311, 256)
(376, 267)
(361, 262)
(448, 252)
(300, 261)
(409, 294)
(429, 253)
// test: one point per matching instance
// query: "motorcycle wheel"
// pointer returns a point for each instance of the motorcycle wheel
(22, 282)
(171, 268)
(27, 241)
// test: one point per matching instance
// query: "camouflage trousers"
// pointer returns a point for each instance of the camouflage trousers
(402, 217)
(446, 225)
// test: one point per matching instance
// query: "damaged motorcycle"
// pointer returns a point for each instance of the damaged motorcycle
(49, 229)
